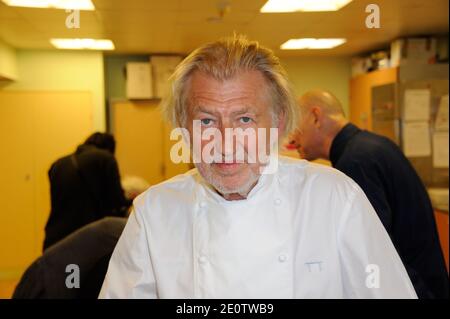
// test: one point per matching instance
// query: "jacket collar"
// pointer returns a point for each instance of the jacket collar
(341, 140)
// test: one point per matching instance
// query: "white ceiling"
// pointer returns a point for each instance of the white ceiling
(179, 26)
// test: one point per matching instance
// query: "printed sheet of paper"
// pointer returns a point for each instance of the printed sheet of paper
(417, 105)
(441, 123)
(440, 149)
(139, 80)
(416, 139)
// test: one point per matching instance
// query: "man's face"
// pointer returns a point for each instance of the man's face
(306, 137)
(239, 102)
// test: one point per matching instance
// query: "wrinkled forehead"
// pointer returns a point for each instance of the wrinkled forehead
(245, 89)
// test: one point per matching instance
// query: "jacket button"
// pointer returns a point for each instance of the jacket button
(202, 204)
(203, 260)
(277, 201)
(282, 258)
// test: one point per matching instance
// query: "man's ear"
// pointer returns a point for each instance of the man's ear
(317, 116)
(281, 123)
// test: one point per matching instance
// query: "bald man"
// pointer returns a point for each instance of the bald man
(388, 180)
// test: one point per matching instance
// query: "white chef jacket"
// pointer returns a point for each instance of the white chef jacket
(307, 231)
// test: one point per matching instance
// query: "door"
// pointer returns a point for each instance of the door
(143, 141)
(36, 128)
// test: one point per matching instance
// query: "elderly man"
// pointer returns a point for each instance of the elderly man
(387, 178)
(230, 229)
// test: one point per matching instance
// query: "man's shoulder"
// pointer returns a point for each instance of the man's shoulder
(369, 144)
(61, 161)
(319, 184)
(368, 149)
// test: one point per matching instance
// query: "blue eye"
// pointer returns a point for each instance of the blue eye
(206, 121)
(245, 119)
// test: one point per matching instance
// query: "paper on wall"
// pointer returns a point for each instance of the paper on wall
(416, 139)
(441, 123)
(417, 105)
(440, 149)
(139, 80)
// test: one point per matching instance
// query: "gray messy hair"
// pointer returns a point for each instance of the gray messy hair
(222, 60)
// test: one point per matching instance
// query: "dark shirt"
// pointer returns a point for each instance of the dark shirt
(83, 192)
(90, 248)
(401, 202)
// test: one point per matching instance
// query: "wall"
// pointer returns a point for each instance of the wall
(52, 70)
(327, 73)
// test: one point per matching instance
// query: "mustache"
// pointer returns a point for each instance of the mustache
(229, 163)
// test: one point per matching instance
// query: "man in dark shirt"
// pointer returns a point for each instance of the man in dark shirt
(84, 187)
(388, 180)
(52, 275)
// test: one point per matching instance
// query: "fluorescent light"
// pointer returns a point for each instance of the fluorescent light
(303, 5)
(309, 43)
(83, 44)
(55, 4)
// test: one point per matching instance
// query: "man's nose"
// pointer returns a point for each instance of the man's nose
(292, 145)
(227, 138)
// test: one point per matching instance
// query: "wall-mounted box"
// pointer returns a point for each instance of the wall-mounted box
(139, 80)
(413, 51)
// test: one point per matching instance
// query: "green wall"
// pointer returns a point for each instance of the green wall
(63, 70)
(329, 73)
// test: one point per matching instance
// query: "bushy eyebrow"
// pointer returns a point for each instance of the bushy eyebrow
(201, 109)
(243, 111)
